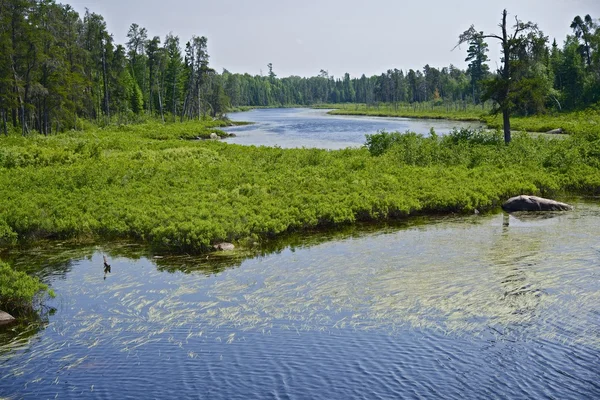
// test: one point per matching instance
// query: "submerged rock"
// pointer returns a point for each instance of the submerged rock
(5, 317)
(224, 246)
(534, 203)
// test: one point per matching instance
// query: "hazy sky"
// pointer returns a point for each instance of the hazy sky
(303, 37)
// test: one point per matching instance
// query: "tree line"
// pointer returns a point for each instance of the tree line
(59, 68)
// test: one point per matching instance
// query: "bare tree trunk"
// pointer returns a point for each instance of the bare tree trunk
(506, 78)
(506, 121)
(160, 105)
(104, 77)
(184, 107)
(21, 103)
(174, 97)
(4, 122)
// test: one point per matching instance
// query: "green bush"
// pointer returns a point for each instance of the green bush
(19, 290)
(146, 183)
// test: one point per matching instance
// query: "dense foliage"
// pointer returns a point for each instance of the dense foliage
(186, 195)
(18, 290)
(59, 70)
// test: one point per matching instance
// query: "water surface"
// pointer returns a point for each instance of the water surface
(458, 307)
(304, 127)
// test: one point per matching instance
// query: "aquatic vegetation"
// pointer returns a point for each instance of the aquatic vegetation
(178, 195)
(18, 290)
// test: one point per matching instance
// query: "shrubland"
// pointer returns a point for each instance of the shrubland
(177, 195)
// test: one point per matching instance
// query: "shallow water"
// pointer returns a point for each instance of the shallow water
(303, 127)
(486, 306)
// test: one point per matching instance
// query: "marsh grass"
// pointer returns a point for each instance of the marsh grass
(578, 122)
(146, 183)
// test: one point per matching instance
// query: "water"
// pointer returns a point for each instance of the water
(302, 127)
(454, 307)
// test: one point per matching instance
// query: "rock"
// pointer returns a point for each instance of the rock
(534, 203)
(224, 246)
(214, 136)
(5, 318)
(557, 131)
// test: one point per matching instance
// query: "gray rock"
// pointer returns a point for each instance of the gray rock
(224, 246)
(557, 131)
(5, 317)
(534, 203)
(214, 136)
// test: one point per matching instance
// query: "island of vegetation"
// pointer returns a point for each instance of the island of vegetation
(100, 140)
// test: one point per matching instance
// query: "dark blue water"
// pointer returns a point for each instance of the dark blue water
(303, 127)
(459, 307)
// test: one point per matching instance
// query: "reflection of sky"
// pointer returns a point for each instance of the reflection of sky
(315, 128)
(461, 303)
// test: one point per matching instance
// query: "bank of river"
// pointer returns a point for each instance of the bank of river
(481, 306)
(304, 127)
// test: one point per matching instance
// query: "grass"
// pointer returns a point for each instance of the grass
(458, 111)
(145, 183)
(578, 122)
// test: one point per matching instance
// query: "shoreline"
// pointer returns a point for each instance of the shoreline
(187, 195)
(575, 122)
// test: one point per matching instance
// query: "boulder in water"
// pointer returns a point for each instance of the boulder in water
(224, 246)
(534, 203)
(5, 317)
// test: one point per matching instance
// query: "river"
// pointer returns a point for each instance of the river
(304, 127)
(457, 307)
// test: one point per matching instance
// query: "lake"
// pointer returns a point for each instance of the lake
(457, 307)
(304, 127)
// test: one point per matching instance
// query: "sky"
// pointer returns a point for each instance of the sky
(306, 36)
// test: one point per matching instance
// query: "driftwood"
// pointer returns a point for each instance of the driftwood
(557, 131)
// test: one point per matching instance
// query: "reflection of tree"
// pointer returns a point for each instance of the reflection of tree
(52, 259)
(513, 257)
(55, 260)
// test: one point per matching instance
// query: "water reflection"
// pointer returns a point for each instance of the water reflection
(452, 287)
(301, 127)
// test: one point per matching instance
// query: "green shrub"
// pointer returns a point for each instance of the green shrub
(144, 182)
(19, 290)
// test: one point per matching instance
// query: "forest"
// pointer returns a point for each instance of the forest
(91, 138)
(61, 71)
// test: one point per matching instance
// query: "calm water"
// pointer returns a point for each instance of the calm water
(457, 307)
(303, 127)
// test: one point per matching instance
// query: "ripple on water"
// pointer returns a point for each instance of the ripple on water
(461, 307)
